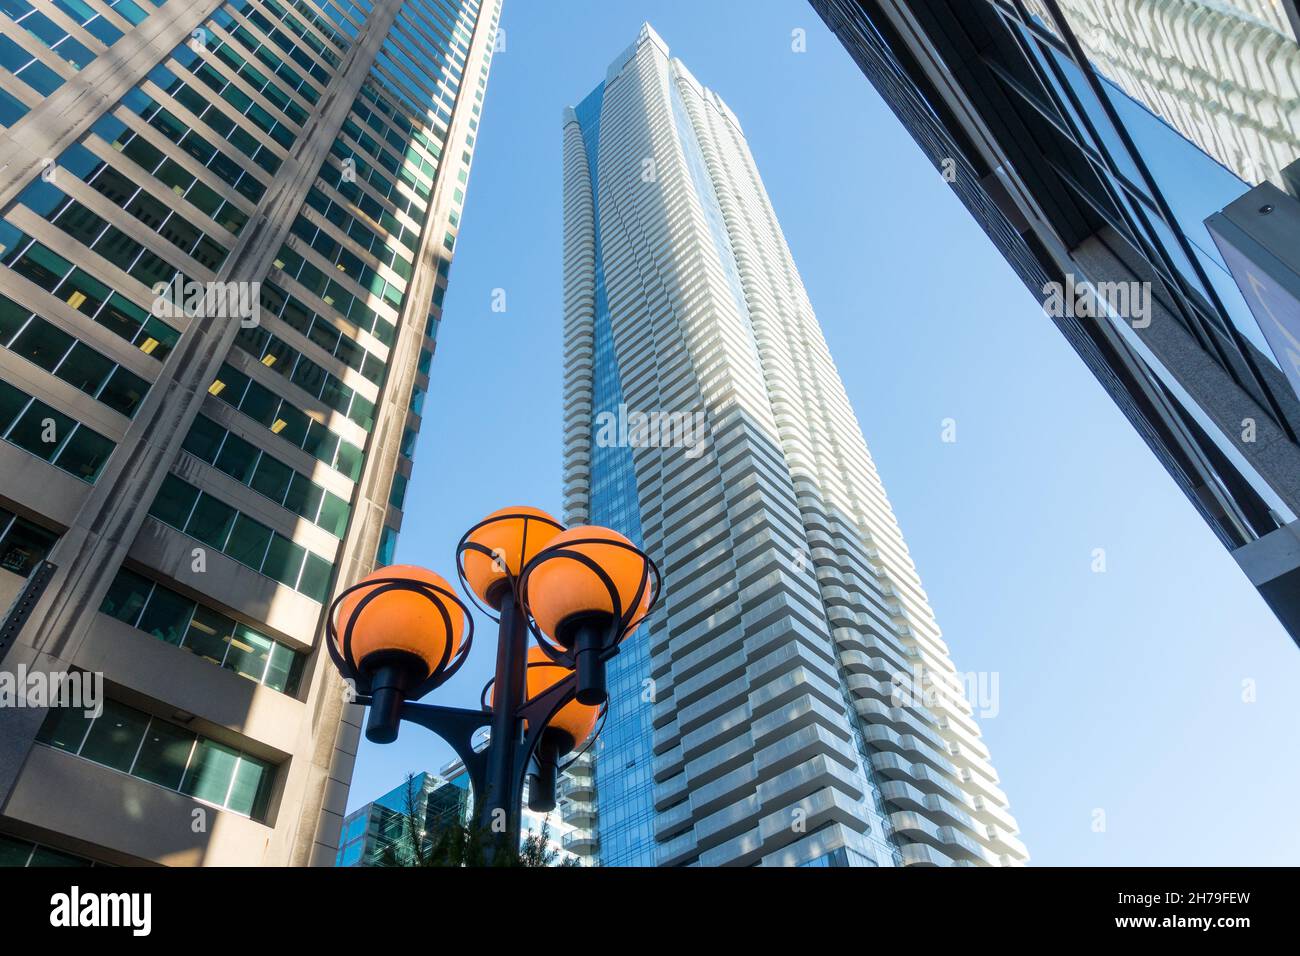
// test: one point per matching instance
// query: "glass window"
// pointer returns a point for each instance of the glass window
(237, 458)
(42, 266)
(164, 754)
(159, 339)
(45, 856)
(119, 316)
(166, 616)
(251, 788)
(333, 515)
(41, 430)
(24, 545)
(175, 500)
(249, 542)
(315, 578)
(261, 405)
(86, 369)
(292, 424)
(210, 772)
(397, 491)
(283, 670)
(12, 317)
(124, 391)
(126, 596)
(249, 653)
(349, 460)
(284, 561)
(321, 442)
(209, 634)
(65, 728)
(85, 454)
(204, 438)
(115, 736)
(42, 344)
(12, 402)
(272, 478)
(304, 497)
(14, 853)
(84, 293)
(211, 521)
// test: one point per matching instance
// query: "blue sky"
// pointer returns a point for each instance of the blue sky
(1119, 691)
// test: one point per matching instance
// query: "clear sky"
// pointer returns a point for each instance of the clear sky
(1119, 691)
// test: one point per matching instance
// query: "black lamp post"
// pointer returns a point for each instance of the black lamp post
(402, 631)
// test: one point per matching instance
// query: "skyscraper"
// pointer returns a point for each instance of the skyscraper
(225, 240)
(1138, 147)
(793, 702)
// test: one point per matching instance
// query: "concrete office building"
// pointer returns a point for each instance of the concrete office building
(1136, 147)
(757, 720)
(184, 488)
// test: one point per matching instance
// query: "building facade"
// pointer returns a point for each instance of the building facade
(793, 701)
(225, 234)
(1140, 151)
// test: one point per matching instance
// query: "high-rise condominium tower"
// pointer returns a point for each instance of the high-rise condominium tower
(793, 701)
(188, 478)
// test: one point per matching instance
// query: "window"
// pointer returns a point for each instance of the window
(174, 502)
(41, 430)
(115, 736)
(166, 616)
(272, 478)
(135, 600)
(216, 523)
(209, 774)
(15, 852)
(249, 541)
(209, 635)
(164, 754)
(35, 427)
(126, 596)
(23, 545)
(84, 454)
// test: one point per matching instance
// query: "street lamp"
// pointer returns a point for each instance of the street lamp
(402, 631)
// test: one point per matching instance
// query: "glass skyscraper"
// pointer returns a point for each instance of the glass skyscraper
(792, 702)
(1149, 146)
(378, 833)
(226, 228)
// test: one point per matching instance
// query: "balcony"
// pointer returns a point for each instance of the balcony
(580, 842)
(578, 788)
(580, 814)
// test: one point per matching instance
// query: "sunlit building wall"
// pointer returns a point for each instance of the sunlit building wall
(185, 488)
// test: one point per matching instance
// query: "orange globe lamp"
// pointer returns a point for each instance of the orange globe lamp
(401, 631)
(586, 591)
(493, 553)
(568, 727)
(397, 633)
